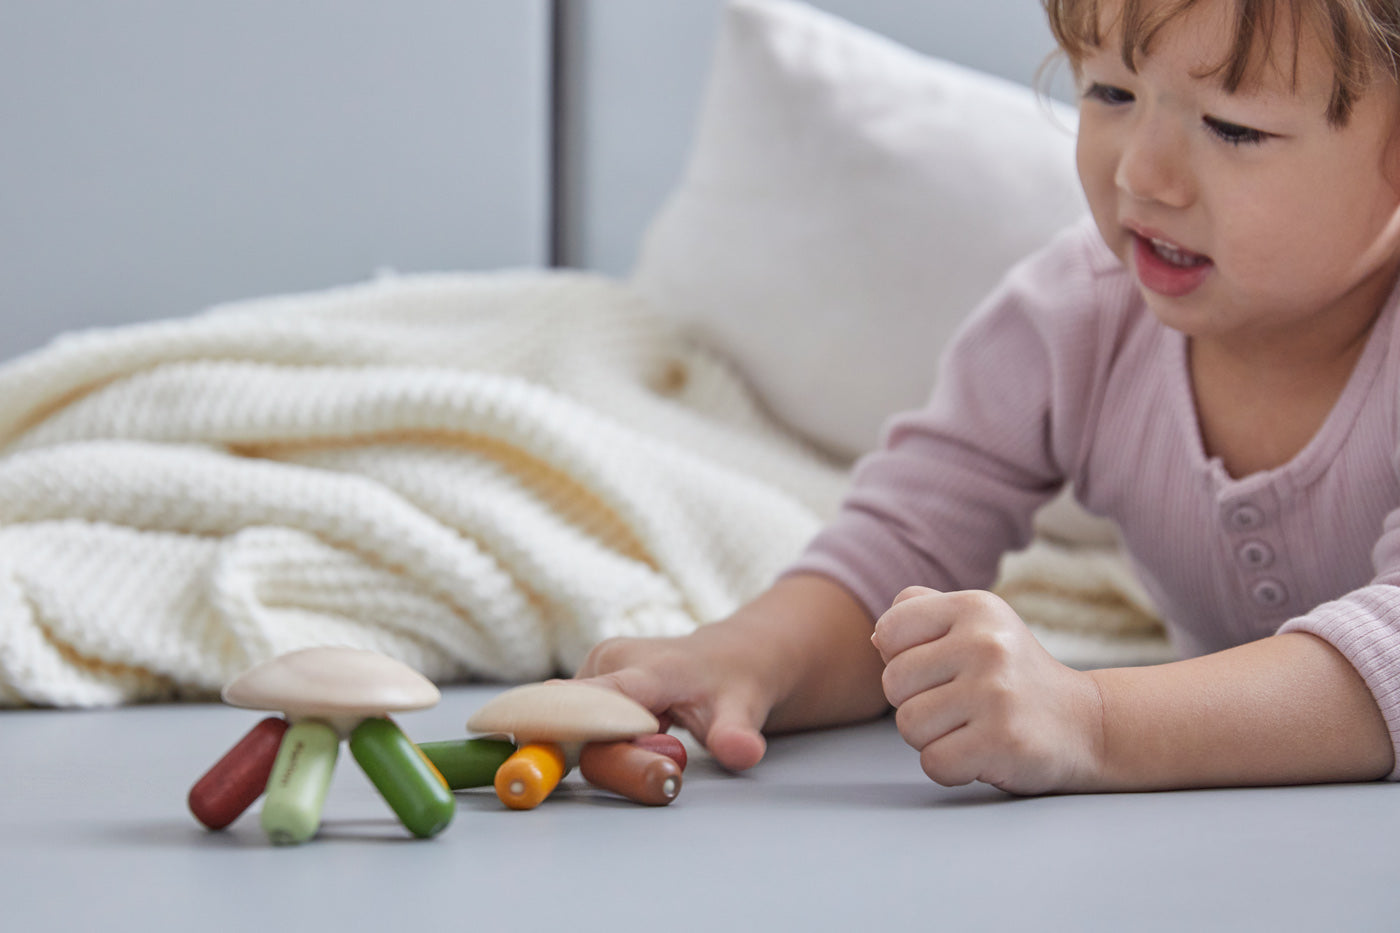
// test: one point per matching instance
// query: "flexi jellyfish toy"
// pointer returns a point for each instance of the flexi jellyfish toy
(612, 738)
(324, 695)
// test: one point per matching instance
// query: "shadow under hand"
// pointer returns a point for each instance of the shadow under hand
(883, 795)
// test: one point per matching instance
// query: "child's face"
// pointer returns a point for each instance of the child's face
(1245, 215)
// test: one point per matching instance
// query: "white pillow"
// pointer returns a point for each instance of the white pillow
(847, 202)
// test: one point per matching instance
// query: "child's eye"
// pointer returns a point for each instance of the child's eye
(1233, 133)
(1108, 94)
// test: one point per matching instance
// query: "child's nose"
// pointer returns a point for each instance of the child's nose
(1153, 164)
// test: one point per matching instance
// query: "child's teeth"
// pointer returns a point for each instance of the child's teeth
(1176, 257)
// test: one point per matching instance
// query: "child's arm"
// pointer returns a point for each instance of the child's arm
(982, 700)
(1288, 709)
(799, 656)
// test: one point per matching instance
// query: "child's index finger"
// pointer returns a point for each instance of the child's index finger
(916, 616)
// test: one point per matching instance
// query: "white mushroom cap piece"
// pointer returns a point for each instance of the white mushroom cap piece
(342, 686)
(563, 711)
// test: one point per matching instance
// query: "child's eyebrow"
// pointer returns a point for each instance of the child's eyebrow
(1266, 81)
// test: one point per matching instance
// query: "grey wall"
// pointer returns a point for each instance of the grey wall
(634, 73)
(157, 156)
(160, 155)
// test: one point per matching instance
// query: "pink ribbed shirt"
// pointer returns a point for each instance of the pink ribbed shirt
(1064, 375)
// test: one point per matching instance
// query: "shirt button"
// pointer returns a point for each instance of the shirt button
(1269, 593)
(1246, 517)
(1255, 554)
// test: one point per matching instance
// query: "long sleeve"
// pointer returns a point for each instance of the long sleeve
(1064, 375)
(956, 483)
(1364, 625)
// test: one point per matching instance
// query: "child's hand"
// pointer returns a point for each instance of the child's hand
(798, 656)
(697, 681)
(980, 698)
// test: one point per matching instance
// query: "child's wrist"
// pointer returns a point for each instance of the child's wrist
(1132, 752)
(1100, 773)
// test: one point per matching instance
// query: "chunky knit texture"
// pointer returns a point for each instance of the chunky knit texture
(482, 475)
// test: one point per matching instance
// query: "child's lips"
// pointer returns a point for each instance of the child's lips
(1166, 268)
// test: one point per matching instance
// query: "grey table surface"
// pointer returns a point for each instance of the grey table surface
(835, 830)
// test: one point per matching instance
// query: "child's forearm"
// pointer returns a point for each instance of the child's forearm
(1289, 709)
(822, 667)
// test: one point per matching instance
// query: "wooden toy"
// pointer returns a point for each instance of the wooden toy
(324, 695)
(467, 763)
(668, 745)
(632, 770)
(562, 723)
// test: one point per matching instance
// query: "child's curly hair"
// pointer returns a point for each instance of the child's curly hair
(1361, 37)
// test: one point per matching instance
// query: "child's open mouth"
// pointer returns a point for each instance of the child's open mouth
(1166, 268)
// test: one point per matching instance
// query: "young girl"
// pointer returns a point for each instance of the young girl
(1214, 363)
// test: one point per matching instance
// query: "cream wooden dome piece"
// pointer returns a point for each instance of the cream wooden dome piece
(342, 686)
(563, 711)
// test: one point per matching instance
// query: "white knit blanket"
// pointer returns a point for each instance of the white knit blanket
(482, 475)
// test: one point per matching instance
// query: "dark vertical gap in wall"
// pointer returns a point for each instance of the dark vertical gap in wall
(558, 207)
